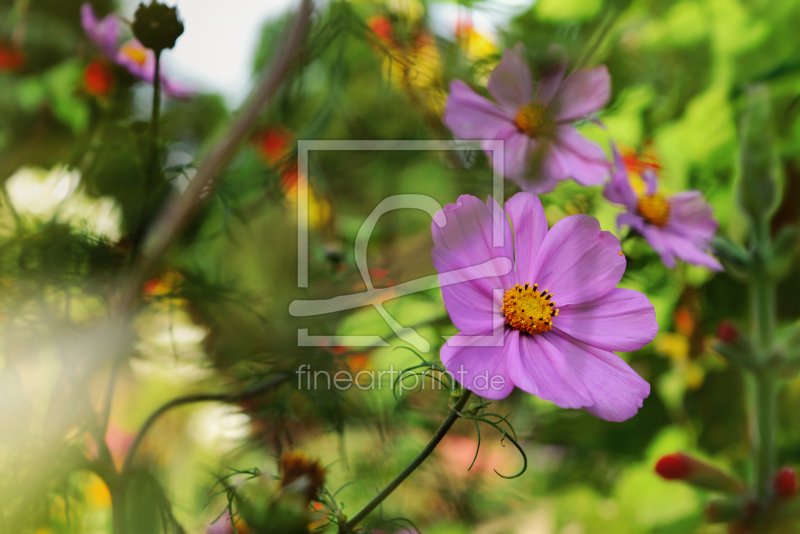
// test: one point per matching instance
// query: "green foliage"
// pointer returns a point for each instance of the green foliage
(708, 86)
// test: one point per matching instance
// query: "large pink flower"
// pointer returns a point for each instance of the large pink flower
(512, 331)
(680, 226)
(542, 147)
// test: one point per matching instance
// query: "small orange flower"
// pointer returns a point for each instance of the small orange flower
(11, 58)
(637, 163)
(381, 26)
(98, 78)
(273, 144)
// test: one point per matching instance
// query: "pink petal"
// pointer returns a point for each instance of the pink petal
(175, 89)
(662, 246)
(650, 181)
(479, 369)
(622, 320)
(582, 92)
(540, 368)
(471, 304)
(470, 116)
(629, 219)
(692, 216)
(529, 226)
(146, 71)
(617, 391)
(689, 251)
(103, 33)
(538, 185)
(578, 262)
(541, 177)
(516, 156)
(468, 233)
(510, 83)
(552, 76)
(618, 190)
(582, 160)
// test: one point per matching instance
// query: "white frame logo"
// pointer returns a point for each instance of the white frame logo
(376, 297)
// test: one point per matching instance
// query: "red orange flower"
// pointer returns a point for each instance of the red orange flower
(98, 78)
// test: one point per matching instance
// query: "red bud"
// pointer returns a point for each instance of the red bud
(674, 467)
(785, 482)
(727, 332)
(697, 473)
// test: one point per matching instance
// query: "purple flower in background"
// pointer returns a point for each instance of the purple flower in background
(679, 226)
(135, 58)
(542, 147)
(561, 353)
(103, 33)
(141, 62)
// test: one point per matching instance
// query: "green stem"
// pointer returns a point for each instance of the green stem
(156, 104)
(119, 507)
(410, 468)
(763, 307)
(258, 389)
(765, 395)
(765, 403)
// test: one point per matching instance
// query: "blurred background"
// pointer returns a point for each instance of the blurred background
(213, 315)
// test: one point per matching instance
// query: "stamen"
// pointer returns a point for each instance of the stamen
(655, 209)
(136, 53)
(528, 310)
(534, 120)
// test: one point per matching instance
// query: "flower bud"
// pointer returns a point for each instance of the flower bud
(758, 184)
(680, 466)
(674, 467)
(12, 58)
(733, 346)
(785, 482)
(784, 251)
(473, 409)
(301, 475)
(157, 26)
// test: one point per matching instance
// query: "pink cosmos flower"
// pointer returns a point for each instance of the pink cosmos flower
(542, 147)
(134, 57)
(679, 226)
(512, 331)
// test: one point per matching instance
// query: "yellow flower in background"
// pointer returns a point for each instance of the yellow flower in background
(274, 144)
(476, 45)
(97, 494)
(675, 346)
(416, 69)
(165, 284)
(411, 59)
(320, 212)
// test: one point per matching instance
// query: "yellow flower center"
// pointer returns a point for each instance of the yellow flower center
(529, 310)
(137, 54)
(655, 209)
(534, 120)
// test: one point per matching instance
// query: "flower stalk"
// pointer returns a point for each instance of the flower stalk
(765, 383)
(455, 413)
(156, 117)
(764, 413)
